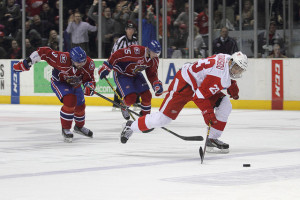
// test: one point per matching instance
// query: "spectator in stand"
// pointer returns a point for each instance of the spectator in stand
(79, 31)
(183, 18)
(199, 44)
(121, 16)
(29, 47)
(224, 43)
(201, 22)
(34, 37)
(15, 51)
(148, 23)
(34, 7)
(247, 16)
(2, 46)
(53, 40)
(5, 41)
(276, 52)
(160, 27)
(274, 38)
(108, 27)
(108, 31)
(179, 44)
(12, 18)
(219, 22)
(43, 27)
(47, 13)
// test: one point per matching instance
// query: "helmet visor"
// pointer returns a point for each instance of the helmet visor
(236, 71)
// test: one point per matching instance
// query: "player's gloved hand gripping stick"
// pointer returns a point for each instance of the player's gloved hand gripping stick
(187, 138)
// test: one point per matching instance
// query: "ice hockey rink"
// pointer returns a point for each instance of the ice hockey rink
(35, 163)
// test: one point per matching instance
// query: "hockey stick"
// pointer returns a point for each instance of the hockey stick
(187, 138)
(118, 96)
(202, 153)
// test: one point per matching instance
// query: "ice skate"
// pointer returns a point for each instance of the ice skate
(125, 113)
(216, 146)
(126, 132)
(83, 131)
(68, 135)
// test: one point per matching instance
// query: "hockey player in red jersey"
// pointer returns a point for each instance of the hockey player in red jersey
(70, 71)
(200, 82)
(128, 63)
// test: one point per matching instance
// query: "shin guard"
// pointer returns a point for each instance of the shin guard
(79, 115)
(67, 111)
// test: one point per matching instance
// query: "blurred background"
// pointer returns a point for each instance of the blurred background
(185, 28)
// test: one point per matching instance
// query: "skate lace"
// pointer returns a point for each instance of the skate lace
(84, 130)
(127, 132)
(219, 142)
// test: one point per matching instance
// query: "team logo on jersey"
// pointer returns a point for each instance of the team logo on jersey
(92, 66)
(63, 58)
(137, 50)
(214, 89)
(138, 68)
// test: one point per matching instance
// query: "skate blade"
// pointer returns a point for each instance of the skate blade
(216, 150)
(78, 132)
(68, 140)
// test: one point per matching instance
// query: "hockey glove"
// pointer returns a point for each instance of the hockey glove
(89, 88)
(23, 65)
(233, 90)
(74, 81)
(209, 116)
(105, 69)
(158, 88)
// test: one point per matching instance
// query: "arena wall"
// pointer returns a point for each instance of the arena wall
(267, 84)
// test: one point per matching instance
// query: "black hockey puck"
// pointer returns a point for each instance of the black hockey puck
(246, 165)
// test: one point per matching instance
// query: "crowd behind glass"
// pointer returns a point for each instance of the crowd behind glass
(232, 27)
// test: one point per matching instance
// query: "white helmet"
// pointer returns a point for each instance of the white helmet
(241, 61)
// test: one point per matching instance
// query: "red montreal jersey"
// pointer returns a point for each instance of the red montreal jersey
(62, 64)
(132, 60)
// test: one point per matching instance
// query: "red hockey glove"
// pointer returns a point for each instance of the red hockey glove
(209, 116)
(158, 88)
(105, 69)
(233, 90)
(89, 88)
(23, 65)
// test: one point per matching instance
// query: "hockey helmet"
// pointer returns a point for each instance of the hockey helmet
(238, 65)
(154, 46)
(78, 55)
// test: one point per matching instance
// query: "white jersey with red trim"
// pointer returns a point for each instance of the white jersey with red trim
(208, 76)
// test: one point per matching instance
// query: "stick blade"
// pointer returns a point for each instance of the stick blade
(201, 154)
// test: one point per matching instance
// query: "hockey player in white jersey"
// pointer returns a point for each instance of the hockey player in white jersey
(200, 82)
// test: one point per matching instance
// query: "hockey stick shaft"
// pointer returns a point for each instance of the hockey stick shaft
(208, 130)
(187, 138)
(118, 96)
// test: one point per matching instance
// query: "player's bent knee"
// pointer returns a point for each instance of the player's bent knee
(146, 97)
(130, 99)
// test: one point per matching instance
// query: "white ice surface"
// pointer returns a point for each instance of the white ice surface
(35, 163)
